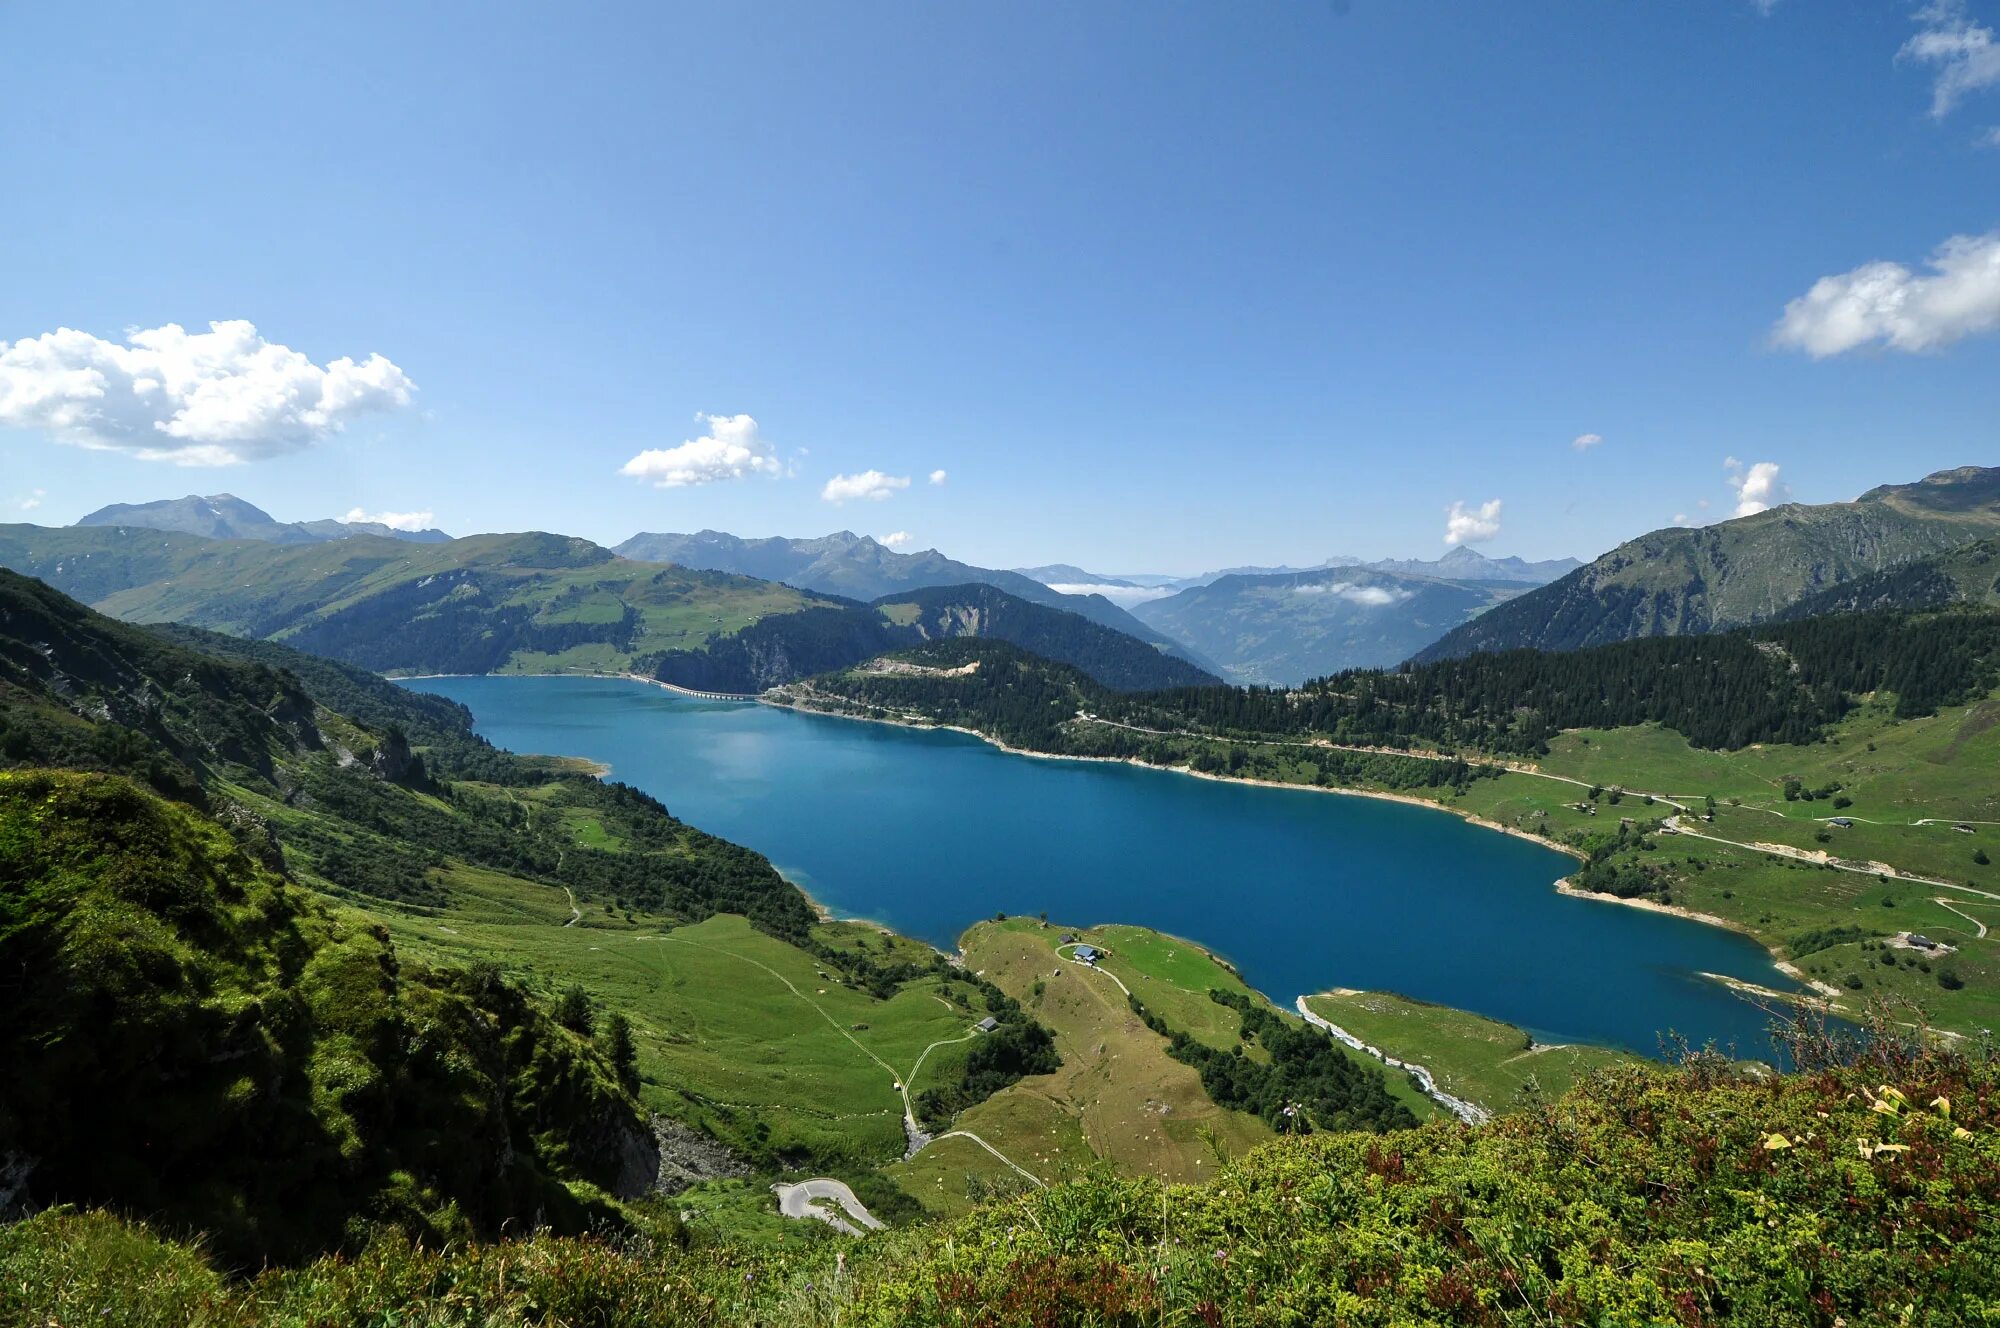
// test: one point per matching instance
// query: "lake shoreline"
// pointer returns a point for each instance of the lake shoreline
(1341, 790)
(1273, 993)
(1563, 885)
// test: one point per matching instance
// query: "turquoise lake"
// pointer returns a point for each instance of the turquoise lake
(928, 832)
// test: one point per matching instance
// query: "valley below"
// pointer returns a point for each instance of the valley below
(928, 832)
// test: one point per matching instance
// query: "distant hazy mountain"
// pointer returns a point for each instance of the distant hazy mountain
(225, 516)
(1464, 564)
(1281, 630)
(1461, 564)
(860, 568)
(1678, 581)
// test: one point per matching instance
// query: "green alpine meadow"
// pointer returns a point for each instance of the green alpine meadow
(1054, 665)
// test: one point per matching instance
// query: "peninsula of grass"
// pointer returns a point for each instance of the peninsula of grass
(1485, 1062)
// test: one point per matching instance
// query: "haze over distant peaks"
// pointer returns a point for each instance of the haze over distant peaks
(225, 516)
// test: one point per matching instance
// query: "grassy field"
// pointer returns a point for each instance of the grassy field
(739, 1034)
(1906, 785)
(1488, 1063)
(1119, 1101)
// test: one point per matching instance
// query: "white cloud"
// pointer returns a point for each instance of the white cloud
(1965, 54)
(1465, 525)
(1680, 518)
(393, 520)
(895, 541)
(1887, 302)
(938, 476)
(32, 501)
(730, 450)
(1585, 441)
(869, 485)
(1991, 138)
(1372, 597)
(1123, 596)
(1757, 487)
(209, 398)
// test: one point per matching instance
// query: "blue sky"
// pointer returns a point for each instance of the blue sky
(1157, 286)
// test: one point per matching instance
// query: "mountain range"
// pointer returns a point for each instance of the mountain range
(858, 567)
(225, 516)
(541, 603)
(1746, 570)
(1279, 630)
(1281, 626)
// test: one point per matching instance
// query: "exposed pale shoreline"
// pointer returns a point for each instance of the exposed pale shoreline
(1341, 790)
(1563, 885)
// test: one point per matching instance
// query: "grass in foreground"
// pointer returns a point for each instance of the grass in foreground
(1868, 1194)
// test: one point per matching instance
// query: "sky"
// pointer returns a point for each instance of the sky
(1138, 286)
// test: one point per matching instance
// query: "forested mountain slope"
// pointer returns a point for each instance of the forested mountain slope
(857, 567)
(1969, 574)
(1682, 581)
(540, 603)
(1779, 682)
(782, 649)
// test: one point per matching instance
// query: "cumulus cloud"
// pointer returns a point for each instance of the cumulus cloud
(393, 520)
(937, 477)
(869, 486)
(1123, 596)
(1757, 486)
(1471, 525)
(1680, 518)
(32, 501)
(894, 541)
(730, 450)
(209, 398)
(1887, 303)
(1372, 597)
(1964, 54)
(1585, 441)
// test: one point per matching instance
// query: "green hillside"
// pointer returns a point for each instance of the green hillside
(1681, 581)
(193, 1036)
(1703, 774)
(773, 1041)
(530, 603)
(541, 603)
(1856, 1194)
(857, 567)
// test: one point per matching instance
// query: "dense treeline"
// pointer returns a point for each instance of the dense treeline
(1781, 682)
(189, 1035)
(1308, 1082)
